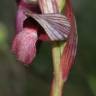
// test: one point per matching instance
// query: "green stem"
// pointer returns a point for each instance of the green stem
(61, 4)
(57, 80)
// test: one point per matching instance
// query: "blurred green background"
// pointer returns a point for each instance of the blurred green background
(34, 80)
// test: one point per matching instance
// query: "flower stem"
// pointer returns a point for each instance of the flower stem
(58, 81)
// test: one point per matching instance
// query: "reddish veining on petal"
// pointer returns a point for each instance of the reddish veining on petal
(69, 52)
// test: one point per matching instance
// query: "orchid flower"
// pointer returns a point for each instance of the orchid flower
(39, 27)
(47, 20)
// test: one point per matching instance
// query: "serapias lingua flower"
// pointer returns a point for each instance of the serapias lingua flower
(32, 25)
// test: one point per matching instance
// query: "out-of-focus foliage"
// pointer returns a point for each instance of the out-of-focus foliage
(34, 80)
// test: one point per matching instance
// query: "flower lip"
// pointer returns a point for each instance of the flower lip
(24, 45)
